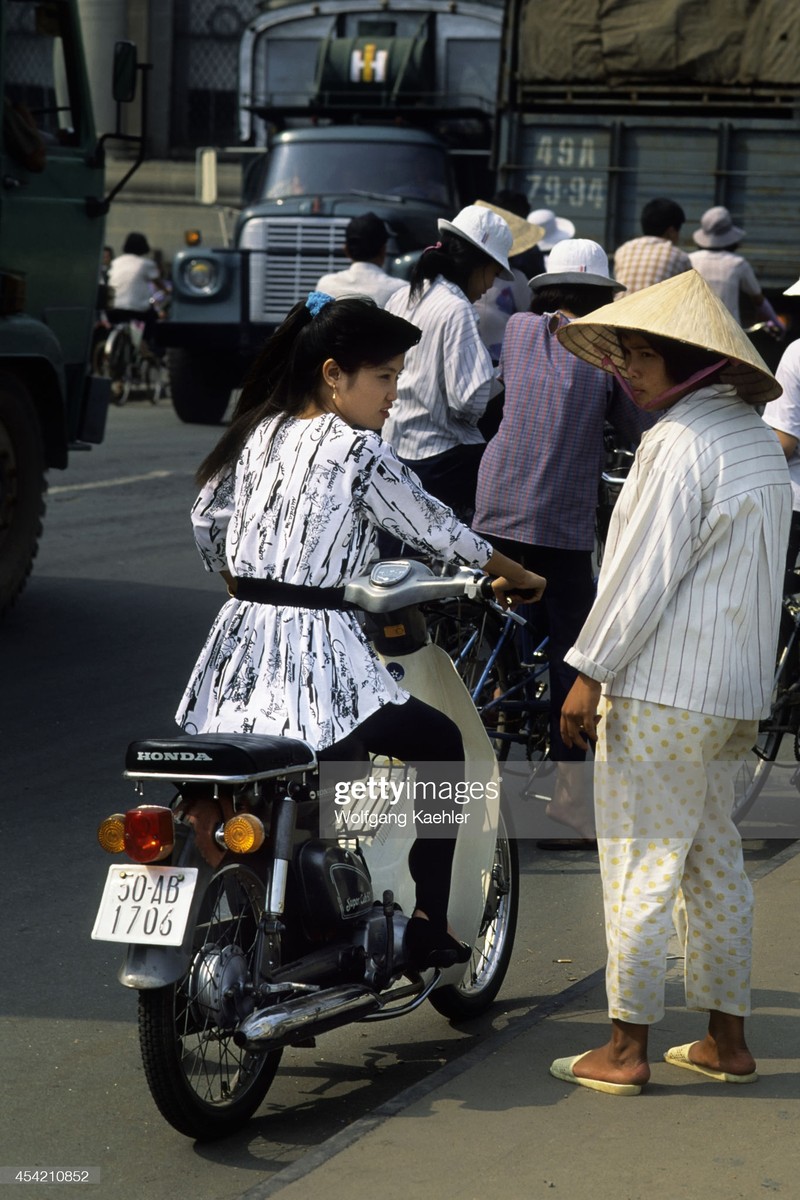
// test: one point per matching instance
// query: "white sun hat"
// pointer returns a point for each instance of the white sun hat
(684, 309)
(576, 260)
(556, 229)
(484, 229)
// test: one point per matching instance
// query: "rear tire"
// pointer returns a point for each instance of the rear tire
(120, 354)
(203, 1084)
(22, 488)
(784, 717)
(200, 384)
(494, 943)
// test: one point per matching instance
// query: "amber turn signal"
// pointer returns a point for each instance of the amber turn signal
(243, 834)
(111, 833)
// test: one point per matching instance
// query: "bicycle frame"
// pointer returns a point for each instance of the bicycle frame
(532, 662)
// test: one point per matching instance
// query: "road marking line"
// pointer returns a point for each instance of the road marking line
(107, 483)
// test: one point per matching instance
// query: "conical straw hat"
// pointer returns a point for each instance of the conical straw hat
(685, 309)
(525, 235)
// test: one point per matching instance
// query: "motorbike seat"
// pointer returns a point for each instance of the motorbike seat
(218, 757)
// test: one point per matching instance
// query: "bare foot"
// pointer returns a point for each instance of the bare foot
(612, 1066)
(731, 1060)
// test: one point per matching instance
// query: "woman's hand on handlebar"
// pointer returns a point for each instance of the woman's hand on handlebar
(513, 583)
(526, 586)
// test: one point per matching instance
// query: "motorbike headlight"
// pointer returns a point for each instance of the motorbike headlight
(200, 276)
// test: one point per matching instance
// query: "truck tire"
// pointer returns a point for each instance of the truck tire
(22, 487)
(201, 386)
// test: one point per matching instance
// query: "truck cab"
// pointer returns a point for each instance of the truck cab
(344, 110)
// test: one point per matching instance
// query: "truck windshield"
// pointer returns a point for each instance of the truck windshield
(371, 168)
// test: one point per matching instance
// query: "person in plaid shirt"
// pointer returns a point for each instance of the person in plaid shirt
(656, 255)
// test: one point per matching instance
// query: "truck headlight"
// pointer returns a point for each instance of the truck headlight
(200, 276)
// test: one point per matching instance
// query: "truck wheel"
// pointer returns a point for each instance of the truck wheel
(201, 386)
(22, 488)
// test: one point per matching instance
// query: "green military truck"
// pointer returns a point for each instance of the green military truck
(345, 107)
(51, 235)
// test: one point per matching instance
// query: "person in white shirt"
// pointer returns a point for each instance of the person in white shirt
(131, 278)
(366, 239)
(130, 275)
(675, 667)
(726, 272)
(449, 376)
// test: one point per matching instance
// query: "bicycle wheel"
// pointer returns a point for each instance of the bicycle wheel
(494, 944)
(471, 635)
(202, 1082)
(120, 355)
(784, 717)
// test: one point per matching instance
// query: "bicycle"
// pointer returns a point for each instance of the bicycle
(121, 353)
(783, 717)
(505, 669)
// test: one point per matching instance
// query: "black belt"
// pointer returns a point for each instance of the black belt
(293, 595)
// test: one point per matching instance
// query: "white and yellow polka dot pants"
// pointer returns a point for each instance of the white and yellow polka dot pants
(663, 799)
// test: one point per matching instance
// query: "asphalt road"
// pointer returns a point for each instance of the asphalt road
(96, 654)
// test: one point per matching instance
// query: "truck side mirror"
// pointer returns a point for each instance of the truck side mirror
(206, 189)
(124, 72)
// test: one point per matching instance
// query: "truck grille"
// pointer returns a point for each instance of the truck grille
(296, 251)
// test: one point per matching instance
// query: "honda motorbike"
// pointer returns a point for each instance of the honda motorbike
(291, 934)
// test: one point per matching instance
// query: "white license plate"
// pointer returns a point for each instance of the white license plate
(148, 906)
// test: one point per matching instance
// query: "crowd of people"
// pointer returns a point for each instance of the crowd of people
(362, 419)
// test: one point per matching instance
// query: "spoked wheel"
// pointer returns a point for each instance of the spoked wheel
(784, 717)
(202, 1082)
(494, 943)
(152, 374)
(120, 354)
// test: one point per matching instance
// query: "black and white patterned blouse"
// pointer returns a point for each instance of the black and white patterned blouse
(304, 506)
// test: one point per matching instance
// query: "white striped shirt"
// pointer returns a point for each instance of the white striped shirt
(689, 593)
(448, 376)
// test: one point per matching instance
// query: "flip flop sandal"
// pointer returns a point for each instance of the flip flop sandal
(562, 1069)
(678, 1056)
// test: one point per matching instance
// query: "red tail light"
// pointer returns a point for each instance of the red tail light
(149, 833)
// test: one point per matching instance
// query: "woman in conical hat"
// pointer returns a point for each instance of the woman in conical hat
(675, 666)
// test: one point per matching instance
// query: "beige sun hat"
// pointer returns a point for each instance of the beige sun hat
(525, 235)
(484, 229)
(682, 308)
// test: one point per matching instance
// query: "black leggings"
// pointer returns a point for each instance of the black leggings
(424, 738)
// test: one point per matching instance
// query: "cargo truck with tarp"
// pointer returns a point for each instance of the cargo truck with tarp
(606, 104)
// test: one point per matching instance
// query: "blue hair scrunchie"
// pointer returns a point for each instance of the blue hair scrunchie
(316, 301)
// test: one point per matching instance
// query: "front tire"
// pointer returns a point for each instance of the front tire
(203, 1084)
(200, 385)
(494, 943)
(22, 488)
